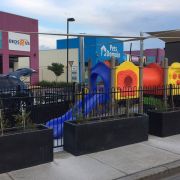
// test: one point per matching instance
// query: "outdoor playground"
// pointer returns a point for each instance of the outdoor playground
(121, 104)
(123, 78)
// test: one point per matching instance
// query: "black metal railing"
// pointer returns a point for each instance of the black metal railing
(59, 104)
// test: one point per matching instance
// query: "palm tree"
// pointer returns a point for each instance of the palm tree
(57, 69)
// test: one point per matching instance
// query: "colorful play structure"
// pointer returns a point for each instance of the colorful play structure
(126, 75)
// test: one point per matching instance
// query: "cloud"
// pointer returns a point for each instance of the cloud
(117, 17)
(41, 7)
(47, 41)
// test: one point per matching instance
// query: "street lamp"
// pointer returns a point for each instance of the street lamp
(68, 20)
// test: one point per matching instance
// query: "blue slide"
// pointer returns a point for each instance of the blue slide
(90, 101)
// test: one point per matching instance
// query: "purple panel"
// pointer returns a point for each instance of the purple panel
(158, 53)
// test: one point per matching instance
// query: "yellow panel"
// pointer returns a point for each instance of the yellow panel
(127, 65)
(174, 76)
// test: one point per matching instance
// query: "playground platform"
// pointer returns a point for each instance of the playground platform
(153, 159)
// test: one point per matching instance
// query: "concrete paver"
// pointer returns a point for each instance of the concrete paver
(171, 143)
(134, 158)
(154, 156)
(5, 177)
(71, 167)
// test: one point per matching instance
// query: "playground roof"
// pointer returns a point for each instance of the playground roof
(167, 36)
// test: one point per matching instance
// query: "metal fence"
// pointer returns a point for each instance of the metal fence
(103, 102)
(59, 104)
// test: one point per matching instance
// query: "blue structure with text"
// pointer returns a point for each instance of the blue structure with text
(96, 49)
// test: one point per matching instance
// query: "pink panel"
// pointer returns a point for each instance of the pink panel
(11, 22)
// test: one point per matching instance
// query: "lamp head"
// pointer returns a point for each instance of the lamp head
(70, 19)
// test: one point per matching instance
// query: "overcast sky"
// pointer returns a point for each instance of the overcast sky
(107, 17)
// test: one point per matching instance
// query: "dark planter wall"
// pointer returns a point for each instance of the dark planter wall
(101, 135)
(39, 114)
(25, 149)
(44, 112)
(164, 123)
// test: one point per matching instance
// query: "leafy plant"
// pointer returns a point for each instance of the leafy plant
(54, 84)
(77, 115)
(79, 118)
(158, 104)
(57, 69)
(23, 119)
(2, 122)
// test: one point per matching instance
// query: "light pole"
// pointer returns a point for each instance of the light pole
(71, 63)
(68, 20)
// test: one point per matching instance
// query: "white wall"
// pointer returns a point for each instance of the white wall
(23, 62)
(46, 57)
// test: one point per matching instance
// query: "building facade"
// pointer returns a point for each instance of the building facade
(47, 57)
(95, 49)
(150, 55)
(172, 51)
(16, 43)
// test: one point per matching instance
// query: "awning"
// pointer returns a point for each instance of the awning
(167, 36)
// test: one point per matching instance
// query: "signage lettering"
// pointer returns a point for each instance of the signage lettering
(113, 51)
(18, 41)
(21, 42)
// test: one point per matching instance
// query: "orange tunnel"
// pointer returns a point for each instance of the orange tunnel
(152, 75)
(127, 76)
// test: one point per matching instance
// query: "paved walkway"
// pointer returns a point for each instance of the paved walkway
(155, 156)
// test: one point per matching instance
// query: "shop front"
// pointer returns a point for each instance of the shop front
(15, 42)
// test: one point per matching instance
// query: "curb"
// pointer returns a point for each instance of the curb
(162, 171)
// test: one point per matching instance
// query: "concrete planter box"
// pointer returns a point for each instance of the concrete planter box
(164, 123)
(97, 135)
(21, 149)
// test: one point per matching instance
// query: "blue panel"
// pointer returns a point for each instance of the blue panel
(90, 49)
(101, 49)
(0, 40)
(108, 47)
(96, 49)
(62, 43)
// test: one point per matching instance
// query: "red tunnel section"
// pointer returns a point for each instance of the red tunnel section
(153, 79)
(153, 76)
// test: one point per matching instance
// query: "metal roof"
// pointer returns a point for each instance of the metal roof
(167, 36)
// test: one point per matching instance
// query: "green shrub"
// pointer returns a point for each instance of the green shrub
(57, 69)
(54, 84)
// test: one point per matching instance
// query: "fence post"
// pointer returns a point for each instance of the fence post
(165, 67)
(112, 83)
(141, 75)
(81, 54)
(74, 93)
(2, 123)
(89, 73)
(171, 95)
(127, 103)
(83, 100)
